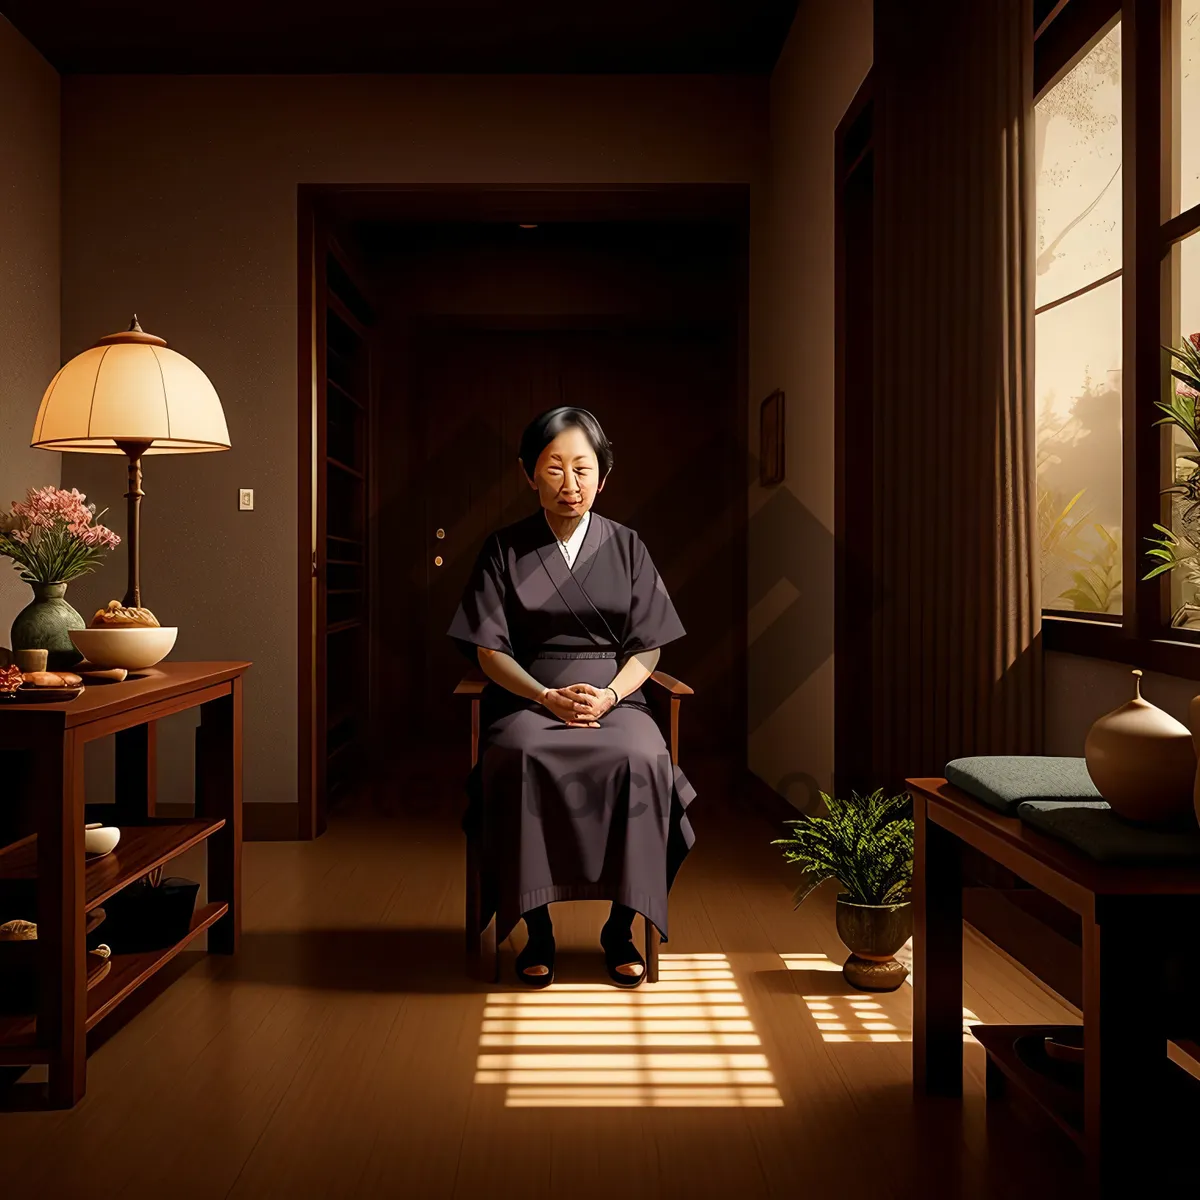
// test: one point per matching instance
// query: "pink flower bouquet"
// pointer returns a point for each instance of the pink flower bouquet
(51, 536)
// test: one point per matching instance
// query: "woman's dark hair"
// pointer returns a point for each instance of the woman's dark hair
(545, 427)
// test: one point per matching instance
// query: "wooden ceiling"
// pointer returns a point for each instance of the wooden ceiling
(406, 36)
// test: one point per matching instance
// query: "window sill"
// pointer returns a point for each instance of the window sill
(1097, 639)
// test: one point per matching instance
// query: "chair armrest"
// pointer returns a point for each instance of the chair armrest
(472, 683)
(675, 686)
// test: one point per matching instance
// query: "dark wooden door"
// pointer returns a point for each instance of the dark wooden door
(667, 399)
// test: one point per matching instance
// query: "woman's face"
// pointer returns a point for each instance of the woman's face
(567, 475)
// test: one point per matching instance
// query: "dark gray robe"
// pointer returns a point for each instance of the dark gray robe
(564, 813)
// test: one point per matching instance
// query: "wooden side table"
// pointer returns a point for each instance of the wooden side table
(1132, 918)
(67, 888)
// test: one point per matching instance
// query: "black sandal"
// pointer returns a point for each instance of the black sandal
(619, 951)
(537, 952)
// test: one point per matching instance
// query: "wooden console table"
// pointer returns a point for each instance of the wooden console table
(1132, 918)
(67, 888)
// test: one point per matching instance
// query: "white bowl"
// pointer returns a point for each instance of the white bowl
(99, 840)
(134, 649)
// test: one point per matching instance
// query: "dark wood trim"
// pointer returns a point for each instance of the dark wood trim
(306, 560)
(1177, 228)
(1092, 639)
(1049, 19)
(666, 322)
(741, 491)
(853, 153)
(1065, 39)
(376, 738)
(1147, 602)
(849, 149)
(438, 202)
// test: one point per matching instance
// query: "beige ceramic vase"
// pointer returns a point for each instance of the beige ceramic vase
(1143, 762)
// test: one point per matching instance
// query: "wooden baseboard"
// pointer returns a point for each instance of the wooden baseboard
(260, 822)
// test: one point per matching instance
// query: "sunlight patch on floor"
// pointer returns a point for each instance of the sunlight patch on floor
(681, 1042)
(810, 962)
(864, 1016)
(870, 1017)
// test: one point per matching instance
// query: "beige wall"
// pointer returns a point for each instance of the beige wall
(826, 58)
(29, 277)
(180, 203)
(1078, 690)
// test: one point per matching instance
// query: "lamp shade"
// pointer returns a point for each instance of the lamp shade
(131, 390)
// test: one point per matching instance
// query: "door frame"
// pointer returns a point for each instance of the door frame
(852, 649)
(343, 204)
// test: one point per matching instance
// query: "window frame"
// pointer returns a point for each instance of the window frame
(1142, 635)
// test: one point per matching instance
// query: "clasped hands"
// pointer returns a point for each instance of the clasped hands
(579, 704)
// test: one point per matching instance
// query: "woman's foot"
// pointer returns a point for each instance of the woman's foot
(625, 966)
(535, 963)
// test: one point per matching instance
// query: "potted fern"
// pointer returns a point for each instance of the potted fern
(866, 844)
(1180, 547)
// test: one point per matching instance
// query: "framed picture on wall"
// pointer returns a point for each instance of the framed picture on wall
(770, 443)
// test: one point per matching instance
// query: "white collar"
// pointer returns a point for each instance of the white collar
(577, 535)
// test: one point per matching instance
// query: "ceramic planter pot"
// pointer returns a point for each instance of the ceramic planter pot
(873, 933)
(46, 624)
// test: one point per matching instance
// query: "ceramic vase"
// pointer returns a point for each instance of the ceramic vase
(1143, 762)
(873, 933)
(46, 624)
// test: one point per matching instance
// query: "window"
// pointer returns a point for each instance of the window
(1185, 54)
(1185, 509)
(1110, 291)
(1077, 372)
(1184, 291)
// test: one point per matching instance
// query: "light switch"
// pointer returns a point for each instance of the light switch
(246, 499)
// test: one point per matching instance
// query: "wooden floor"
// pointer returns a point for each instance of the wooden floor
(342, 1053)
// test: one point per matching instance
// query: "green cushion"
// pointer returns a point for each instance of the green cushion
(1097, 831)
(1002, 781)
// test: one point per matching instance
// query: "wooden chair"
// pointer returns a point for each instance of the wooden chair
(483, 960)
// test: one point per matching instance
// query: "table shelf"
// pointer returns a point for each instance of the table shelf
(1127, 1106)
(18, 1034)
(1064, 1104)
(140, 850)
(53, 883)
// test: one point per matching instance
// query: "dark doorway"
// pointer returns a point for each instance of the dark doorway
(854, 580)
(663, 396)
(484, 323)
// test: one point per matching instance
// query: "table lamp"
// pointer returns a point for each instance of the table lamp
(130, 394)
